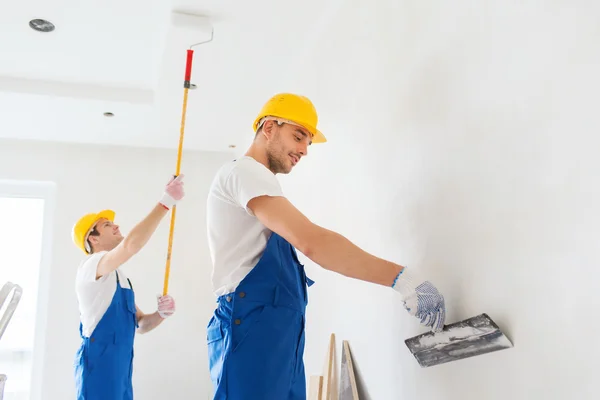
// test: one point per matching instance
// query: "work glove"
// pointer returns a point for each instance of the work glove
(421, 299)
(166, 305)
(173, 192)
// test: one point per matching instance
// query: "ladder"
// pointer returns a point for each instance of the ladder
(8, 313)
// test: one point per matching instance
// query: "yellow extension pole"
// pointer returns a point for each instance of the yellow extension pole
(188, 74)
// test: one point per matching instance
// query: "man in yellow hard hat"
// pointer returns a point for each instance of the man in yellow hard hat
(109, 316)
(256, 334)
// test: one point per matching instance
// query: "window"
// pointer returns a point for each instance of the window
(24, 236)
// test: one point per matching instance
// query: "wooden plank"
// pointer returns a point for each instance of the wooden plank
(315, 386)
(348, 388)
(329, 390)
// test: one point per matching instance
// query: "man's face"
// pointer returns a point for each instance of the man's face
(286, 145)
(108, 237)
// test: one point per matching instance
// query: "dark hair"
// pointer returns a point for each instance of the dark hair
(93, 232)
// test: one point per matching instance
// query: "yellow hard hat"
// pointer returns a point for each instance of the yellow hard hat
(295, 108)
(85, 223)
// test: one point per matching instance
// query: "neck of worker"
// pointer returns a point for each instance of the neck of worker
(259, 154)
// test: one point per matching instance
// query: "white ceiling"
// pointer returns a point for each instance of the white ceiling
(128, 58)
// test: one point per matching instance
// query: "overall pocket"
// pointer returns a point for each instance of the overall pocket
(215, 340)
(244, 322)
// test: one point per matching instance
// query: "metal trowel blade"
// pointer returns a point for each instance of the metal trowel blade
(468, 338)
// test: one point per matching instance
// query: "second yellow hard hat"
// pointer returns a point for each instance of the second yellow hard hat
(83, 225)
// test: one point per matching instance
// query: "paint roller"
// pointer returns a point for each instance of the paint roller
(185, 22)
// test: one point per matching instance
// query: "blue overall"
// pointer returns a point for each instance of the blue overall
(256, 334)
(104, 361)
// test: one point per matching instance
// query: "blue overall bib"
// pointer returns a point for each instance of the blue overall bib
(104, 361)
(256, 334)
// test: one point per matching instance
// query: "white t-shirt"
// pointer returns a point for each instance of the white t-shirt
(95, 296)
(236, 237)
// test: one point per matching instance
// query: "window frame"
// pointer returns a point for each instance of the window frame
(45, 190)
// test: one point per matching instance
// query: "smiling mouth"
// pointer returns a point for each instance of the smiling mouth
(294, 160)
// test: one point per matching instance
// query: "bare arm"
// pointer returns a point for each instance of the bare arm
(326, 248)
(133, 242)
(147, 322)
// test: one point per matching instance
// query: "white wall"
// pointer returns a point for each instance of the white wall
(130, 181)
(463, 142)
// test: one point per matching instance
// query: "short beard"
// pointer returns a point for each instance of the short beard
(274, 157)
(275, 165)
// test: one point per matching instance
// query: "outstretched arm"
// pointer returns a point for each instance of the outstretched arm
(326, 248)
(334, 252)
(142, 231)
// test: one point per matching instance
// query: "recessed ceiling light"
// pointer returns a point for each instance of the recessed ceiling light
(41, 25)
(109, 114)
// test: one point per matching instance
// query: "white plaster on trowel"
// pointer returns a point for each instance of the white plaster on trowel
(454, 334)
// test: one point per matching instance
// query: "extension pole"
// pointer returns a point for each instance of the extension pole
(186, 87)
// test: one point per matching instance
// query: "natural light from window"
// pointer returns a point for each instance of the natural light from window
(21, 233)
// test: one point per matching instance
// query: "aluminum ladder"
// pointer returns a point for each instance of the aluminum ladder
(10, 310)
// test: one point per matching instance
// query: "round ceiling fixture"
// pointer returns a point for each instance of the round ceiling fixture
(41, 25)
(109, 114)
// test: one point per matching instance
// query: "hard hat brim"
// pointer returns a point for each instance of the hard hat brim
(108, 214)
(319, 137)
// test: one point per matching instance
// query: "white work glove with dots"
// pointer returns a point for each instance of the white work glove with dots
(421, 299)
(166, 305)
(173, 192)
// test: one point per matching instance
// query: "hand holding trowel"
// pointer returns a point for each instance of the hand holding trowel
(444, 343)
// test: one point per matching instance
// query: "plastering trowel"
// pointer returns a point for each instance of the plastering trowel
(468, 338)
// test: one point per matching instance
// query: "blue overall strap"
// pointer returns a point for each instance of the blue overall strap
(256, 335)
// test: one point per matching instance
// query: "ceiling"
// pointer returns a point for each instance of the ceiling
(128, 58)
